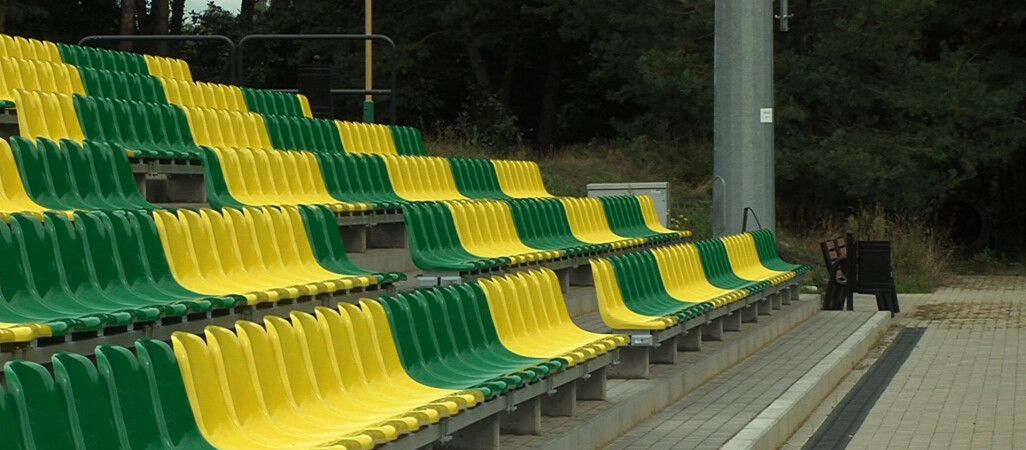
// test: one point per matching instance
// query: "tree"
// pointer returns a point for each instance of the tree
(127, 22)
(161, 16)
(177, 16)
(248, 8)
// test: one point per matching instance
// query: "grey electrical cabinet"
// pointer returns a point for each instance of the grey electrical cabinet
(659, 191)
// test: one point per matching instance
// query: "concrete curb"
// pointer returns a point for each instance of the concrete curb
(774, 425)
(599, 430)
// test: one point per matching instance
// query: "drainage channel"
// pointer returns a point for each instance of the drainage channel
(840, 426)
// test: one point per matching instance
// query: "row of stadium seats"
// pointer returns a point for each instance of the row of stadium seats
(34, 49)
(68, 176)
(471, 236)
(368, 181)
(125, 62)
(238, 177)
(95, 270)
(654, 289)
(351, 377)
(42, 65)
(148, 130)
(45, 76)
(166, 131)
(126, 76)
(124, 86)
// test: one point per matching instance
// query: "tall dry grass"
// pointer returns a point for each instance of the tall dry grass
(921, 258)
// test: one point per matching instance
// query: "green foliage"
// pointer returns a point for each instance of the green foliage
(61, 20)
(901, 104)
(898, 103)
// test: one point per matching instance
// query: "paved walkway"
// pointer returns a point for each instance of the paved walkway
(959, 387)
(715, 412)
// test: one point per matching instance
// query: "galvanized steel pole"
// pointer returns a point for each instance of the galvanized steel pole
(743, 114)
(368, 62)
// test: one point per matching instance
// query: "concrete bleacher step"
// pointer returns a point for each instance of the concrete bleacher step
(753, 388)
(385, 260)
(762, 400)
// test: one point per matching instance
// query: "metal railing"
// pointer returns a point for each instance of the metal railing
(392, 58)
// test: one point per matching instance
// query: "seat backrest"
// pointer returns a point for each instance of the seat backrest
(41, 407)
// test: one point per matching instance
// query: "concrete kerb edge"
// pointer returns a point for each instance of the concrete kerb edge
(775, 424)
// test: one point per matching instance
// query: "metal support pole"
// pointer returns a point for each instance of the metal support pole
(368, 73)
(743, 114)
(393, 60)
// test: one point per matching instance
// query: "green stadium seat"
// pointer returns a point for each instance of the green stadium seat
(542, 223)
(626, 219)
(326, 242)
(41, 408)
(434, 244)
(73, 176)
(122, 86)
(408, 141)
(767, 248)
(148, 130)
(476, 178)
(121, 401)
(274, 103)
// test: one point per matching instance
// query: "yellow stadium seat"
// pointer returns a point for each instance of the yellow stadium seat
(486, 229)
(50, 116)
(589, 224)
(520, 179)
(421, 178)
(328, 379)
(648, 211)
(531, 318)
(13, 197)
(615, 314)
(304, 104)
(683, 277)
(744, 260)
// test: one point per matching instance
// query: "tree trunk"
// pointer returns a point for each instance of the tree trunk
(246, 14)
(177, 17)
(506, 88)
(550, 94)
(144, 24)
(477, 63)
(127, 23)
(160, 16)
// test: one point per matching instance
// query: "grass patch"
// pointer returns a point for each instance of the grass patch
(920, 258)
(990, 262)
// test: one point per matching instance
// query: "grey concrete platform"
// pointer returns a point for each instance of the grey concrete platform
(631, 401)
(960, 387)
(757, 403)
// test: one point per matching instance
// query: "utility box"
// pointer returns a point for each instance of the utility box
(659, 191)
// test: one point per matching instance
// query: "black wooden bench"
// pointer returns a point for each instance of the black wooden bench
(858, 266)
